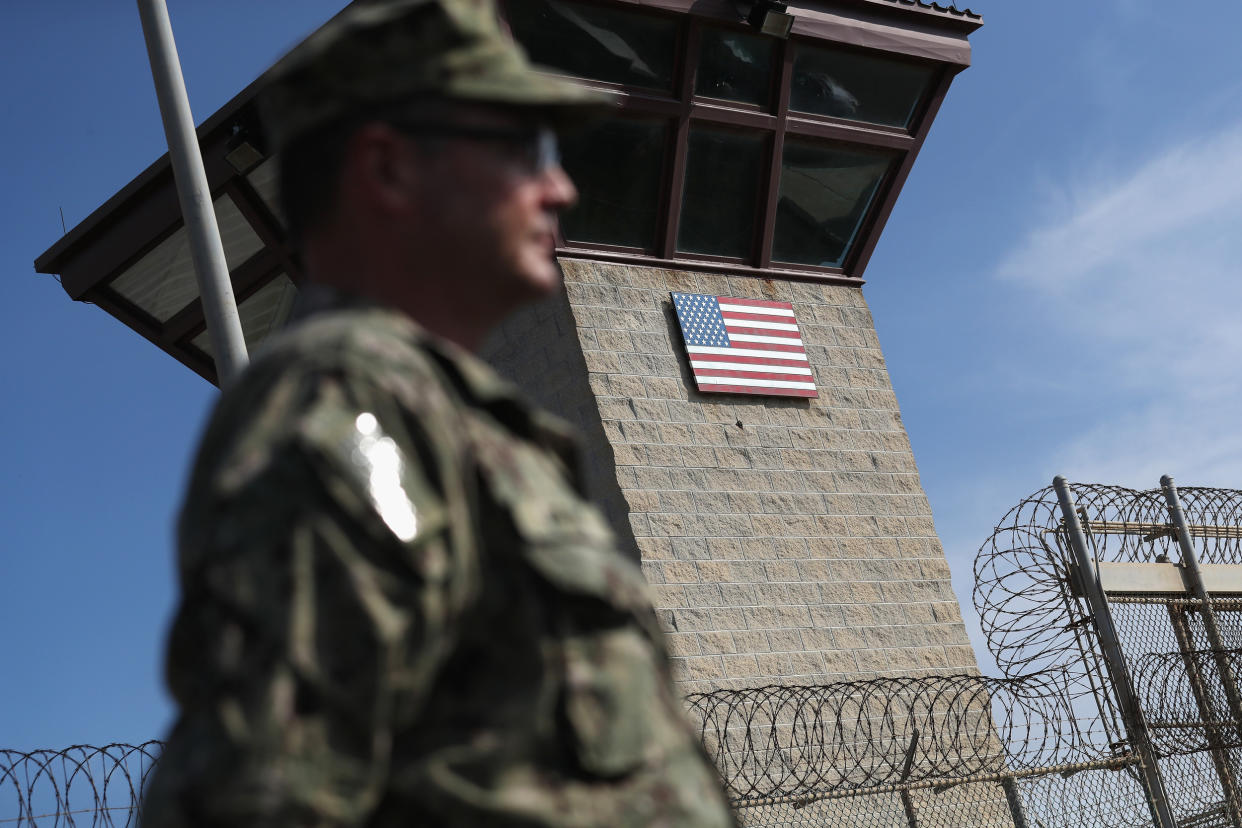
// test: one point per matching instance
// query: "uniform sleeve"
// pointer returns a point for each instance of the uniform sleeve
(321, 573)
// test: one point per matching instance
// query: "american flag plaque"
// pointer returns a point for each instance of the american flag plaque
(744, 346)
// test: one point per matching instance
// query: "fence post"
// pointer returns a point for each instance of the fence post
(1131, 712)
(907, 801)
(1216, 748)
(1190, 567)
(1014, 799)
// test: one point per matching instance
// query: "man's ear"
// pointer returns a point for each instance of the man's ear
(379, 168)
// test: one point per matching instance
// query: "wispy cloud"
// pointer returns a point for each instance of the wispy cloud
(1139, 276)
(1187, 188)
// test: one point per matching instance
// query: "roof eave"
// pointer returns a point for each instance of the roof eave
(53, 259)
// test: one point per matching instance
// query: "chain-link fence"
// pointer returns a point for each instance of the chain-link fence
(1119, 706)
(918, 752)
(1136, 598)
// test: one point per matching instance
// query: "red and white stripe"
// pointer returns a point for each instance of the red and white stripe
(767, 355)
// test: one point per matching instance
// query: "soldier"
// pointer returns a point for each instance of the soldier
(397, 607)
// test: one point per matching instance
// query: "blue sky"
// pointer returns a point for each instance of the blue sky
(1055, 293)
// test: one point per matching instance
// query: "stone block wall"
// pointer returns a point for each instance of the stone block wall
(786, 540)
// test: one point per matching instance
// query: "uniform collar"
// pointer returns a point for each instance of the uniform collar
(475, 378)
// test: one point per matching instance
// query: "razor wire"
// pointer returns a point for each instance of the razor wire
(1186, 715)
(80, 785)
(1031, 619)
(791, 741)
(797, 744)
(1028, 748)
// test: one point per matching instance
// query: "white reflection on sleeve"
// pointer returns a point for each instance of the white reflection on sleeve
(381, 463)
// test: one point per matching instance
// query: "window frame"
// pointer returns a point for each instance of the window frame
(682, 109)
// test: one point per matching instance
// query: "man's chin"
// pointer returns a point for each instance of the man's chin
(544, 279)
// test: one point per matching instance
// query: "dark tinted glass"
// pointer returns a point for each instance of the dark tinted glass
(860, 87)
(616, 165)
(718, 205)
(736, 66)
(825, 192)
(608, 44)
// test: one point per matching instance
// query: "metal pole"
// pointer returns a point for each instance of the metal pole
(907, 801)
(1131, 712)
(1216, 749)
(1014, 799)
(210, 269)
(1190, 566)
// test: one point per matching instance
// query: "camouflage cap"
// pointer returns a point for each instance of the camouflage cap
(381, 53)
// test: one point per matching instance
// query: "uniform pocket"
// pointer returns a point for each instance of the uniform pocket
(561, 537)
(615, 699)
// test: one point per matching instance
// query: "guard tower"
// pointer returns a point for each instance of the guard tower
(754, 156)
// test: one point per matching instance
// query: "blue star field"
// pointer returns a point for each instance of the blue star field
(701, 322)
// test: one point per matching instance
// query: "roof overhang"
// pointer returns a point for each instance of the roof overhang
(116, 237)
(127, 257)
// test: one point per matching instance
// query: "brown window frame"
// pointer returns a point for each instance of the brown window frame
(683, 108)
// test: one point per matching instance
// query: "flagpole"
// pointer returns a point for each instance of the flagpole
(210, 268)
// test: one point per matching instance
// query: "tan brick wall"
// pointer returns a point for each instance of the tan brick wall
(787, 541)
(538, 349)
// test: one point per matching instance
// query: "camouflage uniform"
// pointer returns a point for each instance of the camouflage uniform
(399, 609)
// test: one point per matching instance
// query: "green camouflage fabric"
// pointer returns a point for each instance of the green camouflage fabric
(377, 54)
(398, 608)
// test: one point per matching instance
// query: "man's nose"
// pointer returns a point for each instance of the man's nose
(559, 189)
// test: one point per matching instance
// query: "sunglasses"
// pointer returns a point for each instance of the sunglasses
(536, 149)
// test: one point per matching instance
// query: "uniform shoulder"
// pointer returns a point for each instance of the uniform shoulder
(329, 368)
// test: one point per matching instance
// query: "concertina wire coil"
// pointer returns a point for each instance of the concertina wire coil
(780, 742)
